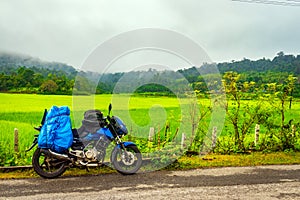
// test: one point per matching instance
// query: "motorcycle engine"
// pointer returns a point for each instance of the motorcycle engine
(98, 152)
(92, 154)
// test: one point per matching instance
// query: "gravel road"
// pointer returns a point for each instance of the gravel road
(264, 182)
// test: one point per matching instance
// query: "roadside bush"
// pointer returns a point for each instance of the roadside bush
(225, 145)
(10, 158)
(2, 155)
(6, 158)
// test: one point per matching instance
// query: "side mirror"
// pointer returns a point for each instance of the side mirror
(109, 108)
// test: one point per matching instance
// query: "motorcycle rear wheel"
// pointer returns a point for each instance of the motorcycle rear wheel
(47, 167)
(128, 162)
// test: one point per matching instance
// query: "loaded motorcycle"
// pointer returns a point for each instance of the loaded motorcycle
(89, 144)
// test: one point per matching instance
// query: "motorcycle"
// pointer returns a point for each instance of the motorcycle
(89, 149)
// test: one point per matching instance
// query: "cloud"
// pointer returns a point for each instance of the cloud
(233, 30)
(67, 31)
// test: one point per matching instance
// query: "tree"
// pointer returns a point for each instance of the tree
(38, 79)
(280, 94)
(25, 77)
(49, 87)
(241, 116)
(82, 86)
(291, 80)
(280, 54)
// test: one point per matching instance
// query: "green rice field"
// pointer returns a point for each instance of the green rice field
(24, 111)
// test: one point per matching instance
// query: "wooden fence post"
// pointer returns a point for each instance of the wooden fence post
(293, 130)
(214, 137)
(182, 140)
(16, 140)
(256, 140)
(151, 134)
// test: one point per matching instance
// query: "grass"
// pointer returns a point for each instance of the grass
(24, 111)
(239, 160)
(185, 163)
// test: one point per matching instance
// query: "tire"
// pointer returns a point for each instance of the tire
(126, 165)
(47, 167)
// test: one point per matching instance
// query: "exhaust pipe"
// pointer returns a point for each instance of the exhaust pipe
(50, 153)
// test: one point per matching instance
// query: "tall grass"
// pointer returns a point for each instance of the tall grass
(24, 111)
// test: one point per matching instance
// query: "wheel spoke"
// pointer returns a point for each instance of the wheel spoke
(46, 166)
(127, 161)
(43, 163)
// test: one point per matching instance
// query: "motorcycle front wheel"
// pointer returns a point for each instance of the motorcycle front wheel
(46, 166)
(126, 161)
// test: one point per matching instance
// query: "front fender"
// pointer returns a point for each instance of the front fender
(126, 144)
(117, 148)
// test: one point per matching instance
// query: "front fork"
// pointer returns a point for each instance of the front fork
(118, 140)
(123, 146)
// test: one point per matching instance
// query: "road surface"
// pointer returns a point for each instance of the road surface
(264, 182)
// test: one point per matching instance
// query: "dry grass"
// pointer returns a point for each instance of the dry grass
(185, 162)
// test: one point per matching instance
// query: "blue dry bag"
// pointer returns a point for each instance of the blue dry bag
(56, 133)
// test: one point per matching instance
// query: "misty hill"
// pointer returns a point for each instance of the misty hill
(10, 62)
(29, 74)
(280, 63)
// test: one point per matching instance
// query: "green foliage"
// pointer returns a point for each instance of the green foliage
(269, 109)
(49, 87)
(30, 80)
(3, 153)
(262, 71)
(241, 116)
(258, 92)
(226, 145)
(280, 96)
(24, 111)
(26, 75)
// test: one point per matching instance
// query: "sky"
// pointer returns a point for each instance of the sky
(69, 31)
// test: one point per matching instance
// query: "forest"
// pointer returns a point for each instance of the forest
(28, 75)
(262, 92)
